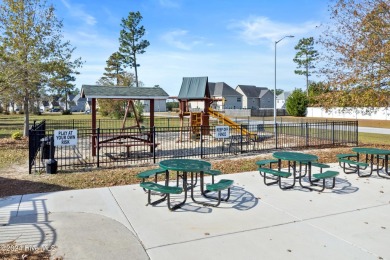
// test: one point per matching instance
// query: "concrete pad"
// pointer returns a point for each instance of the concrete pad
(9, 207)
(75, 236)
(97, 201)
(365, 228)
(304, 204)
(157, 226)
(259, 221)
(290, 241)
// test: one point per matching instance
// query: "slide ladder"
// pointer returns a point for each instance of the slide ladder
(227, 121)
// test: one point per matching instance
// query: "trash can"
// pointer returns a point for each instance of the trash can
(47, 148)
(51, 166)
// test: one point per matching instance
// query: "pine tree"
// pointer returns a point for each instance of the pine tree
(131, 42)
(305, 58)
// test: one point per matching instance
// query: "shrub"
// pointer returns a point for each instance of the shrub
(297, 103)
(16, 135)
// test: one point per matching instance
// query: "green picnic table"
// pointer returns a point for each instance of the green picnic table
(293, 158)
(186, 166)
(373, 156)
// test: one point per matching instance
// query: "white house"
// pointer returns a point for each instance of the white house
(281, 99)
(160, 105)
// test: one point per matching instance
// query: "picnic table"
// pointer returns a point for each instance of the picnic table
(293, 158)
(373, 156)
(186, 166)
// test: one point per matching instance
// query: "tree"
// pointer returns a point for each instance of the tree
(131, 42)
(278, 91)
(62, 78)
(114, 68)
(315, 91)
(357, 54)
(114, 76)
(31, 47)
(296, 103)
(172, 105)
(305, 59)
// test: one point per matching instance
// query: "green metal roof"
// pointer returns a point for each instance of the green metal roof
(118, 92)
(194, 88)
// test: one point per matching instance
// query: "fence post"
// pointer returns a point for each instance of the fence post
(357, 132)
(201, 142)
(307, 134)
(241, 138)
(332, 132)
(73, 124)
(98, 148)
(30, 149)
(276, 136)
(154, 144)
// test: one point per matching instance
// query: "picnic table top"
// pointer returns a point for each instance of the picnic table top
(185, 165)
(368, 150)
(294, 156)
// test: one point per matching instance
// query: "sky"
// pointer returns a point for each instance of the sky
(228, 41)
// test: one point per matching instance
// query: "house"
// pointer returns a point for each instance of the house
(44, 106)
(159, 105)
(255, 97)
(281, 99)
(77, 103)
(225, 95)
(228, 97)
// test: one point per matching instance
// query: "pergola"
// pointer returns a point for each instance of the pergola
(94, 92)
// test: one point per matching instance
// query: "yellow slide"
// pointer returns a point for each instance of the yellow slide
(226, 120)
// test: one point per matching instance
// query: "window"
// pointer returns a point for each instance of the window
(239, 99)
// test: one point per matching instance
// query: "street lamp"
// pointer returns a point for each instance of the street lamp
(276, 42)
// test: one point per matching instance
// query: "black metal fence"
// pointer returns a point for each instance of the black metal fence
(103, 147)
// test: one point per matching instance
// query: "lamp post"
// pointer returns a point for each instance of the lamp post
(276, 42)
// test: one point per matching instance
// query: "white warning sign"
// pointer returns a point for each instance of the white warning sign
(65, 137)
(222, 131)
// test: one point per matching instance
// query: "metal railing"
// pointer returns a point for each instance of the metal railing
(112, 147)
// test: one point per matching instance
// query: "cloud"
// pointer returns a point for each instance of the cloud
(77, 11)
(181, 39)
(258, 30)
(169, 3)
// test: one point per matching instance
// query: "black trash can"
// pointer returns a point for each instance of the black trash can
(51, 166)
(47, 148)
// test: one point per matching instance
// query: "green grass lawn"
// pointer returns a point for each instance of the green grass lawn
(369, 138)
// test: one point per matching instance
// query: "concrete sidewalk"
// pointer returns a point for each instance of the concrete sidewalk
(259, 222)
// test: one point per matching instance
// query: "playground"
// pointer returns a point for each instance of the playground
(202, 132)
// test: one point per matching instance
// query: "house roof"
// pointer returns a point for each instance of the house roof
(253, 91)
(263, 92)
(222, 89)
(71, 97)
(194, 88)
(284, 95)
(118, 92)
